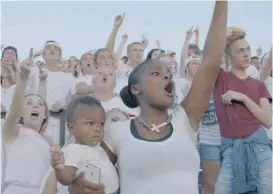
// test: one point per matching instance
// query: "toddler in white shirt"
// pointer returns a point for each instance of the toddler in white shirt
(86, 118)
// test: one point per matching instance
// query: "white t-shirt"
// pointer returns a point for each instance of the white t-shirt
(209, 130)
(6, 96)
(182, 87)
(116, 102)
(82, 78)
(33, 81)
(168, 166)
(59, 88)
(120, 83)
(77, 155)
(28, 159)
(252, 72)
(123, 70)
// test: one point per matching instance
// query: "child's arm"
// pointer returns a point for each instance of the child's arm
(64, 174)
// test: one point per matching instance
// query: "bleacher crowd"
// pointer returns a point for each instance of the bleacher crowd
(111, 124)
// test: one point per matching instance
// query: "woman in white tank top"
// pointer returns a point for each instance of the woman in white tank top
(27, 155)
(156, 152)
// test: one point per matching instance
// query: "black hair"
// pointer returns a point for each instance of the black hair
(195, 48)
(10, 48)
(149, 55)
(125, 59)
(81, 100)
(126, 94)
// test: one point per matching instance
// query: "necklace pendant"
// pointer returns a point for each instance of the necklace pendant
(155, 128)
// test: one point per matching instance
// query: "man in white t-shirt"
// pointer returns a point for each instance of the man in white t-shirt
(9, 59)
(135, 56)
(59, 86)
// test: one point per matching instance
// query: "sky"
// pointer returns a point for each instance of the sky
(82, 26)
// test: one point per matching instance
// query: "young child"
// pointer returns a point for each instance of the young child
(85, 118)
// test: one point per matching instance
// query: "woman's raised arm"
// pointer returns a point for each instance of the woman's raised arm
(200, 93)
(266, 68)
(10, 128)
(112, 38)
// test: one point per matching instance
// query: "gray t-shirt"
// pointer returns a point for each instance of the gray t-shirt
(209, 130)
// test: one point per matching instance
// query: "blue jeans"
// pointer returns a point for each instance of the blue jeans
(209, 153)
(225, 178)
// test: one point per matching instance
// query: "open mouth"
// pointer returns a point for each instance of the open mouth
(35, 114)
(169, 89)
(88, 65)
(104, 79)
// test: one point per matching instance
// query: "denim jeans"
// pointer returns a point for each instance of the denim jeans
(225, 178)
(209, 153)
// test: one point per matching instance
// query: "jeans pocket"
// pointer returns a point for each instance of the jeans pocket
(263, 152)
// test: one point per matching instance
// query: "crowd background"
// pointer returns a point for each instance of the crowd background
(102, 71)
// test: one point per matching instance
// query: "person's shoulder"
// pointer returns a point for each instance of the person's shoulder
(73, 147)
(118, 127)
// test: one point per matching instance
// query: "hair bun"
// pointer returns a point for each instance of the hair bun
(128, 98)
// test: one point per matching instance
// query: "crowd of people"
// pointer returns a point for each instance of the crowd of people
(139, 124)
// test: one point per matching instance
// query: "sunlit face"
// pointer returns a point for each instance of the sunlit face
(34, 112)
(171, 63)
(104, 78)
(240, 54)
(192, 67)
(255, 63)
(87, 65)
(63, 65)
(156, 54)
(135, 53)
(9, 57)
(105, 59)
(156, 86)
(73, 62)
(52, 52)
(88, 124)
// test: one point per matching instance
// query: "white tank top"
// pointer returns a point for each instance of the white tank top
(156, 167)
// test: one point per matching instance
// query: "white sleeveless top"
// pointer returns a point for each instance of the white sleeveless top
(156, 167)
(28, 159)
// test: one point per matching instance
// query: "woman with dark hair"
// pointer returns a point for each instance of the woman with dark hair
(155, 54)
(156, 152)
(74, 66)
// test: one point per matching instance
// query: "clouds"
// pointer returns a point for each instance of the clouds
(82, 26)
